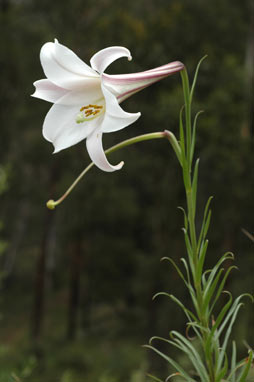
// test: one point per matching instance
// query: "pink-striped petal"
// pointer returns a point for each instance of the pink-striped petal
(97, 155)
(125, 85)
(168, 67)
(102, 59)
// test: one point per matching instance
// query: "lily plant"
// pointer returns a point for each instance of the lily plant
(86, 105)
(209, 318)
(86, 100)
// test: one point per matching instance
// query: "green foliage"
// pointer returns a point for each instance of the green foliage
(212, 326)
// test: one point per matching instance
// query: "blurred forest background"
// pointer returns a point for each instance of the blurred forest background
(77, 283)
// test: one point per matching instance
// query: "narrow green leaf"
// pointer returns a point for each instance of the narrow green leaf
(228, 332)
(186, 268)
(160, 294)
(204, 280)
(232, 311)
(192, 353)
(196, 328)
(170, 342)
(231, 315)
(203, 222)
(192, 359)
(177, 367)
(238, 366)
(179, 345)
(178, 271)
(207, 224)
(216, 348)
(185, 173)
(187, 103)
(195, 77)
(212, 338)
(222, 372)
(190, 287)
(173, 375)
(233, 362)
(189, 251)
(193, 138)
(185, 217)
(221, 316)
(188, 313)
(195, 185)
(154, 378)
(246, 368)
(220, 289)
(226, 256)
(208, 293)
(201, 259)
(197, 325)
(175, 145)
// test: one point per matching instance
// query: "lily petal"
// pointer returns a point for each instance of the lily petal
(102, 59)
(91, 94)
(60, 126)
(96, 153)
(86, 101)
(64, 68)
(125, 85)
(46, 90)
(116, 118)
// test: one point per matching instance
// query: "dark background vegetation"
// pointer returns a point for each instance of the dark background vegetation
(76, 295)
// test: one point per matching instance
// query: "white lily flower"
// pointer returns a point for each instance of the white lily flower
(86, 100)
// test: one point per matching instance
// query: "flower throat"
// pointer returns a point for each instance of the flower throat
(88, 113)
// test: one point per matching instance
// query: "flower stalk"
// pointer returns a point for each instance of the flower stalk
(51, 204)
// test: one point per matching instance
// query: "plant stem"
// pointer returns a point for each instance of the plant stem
(191, 212)
(186, 91)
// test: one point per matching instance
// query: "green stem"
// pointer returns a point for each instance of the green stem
(187, 166)
(187, 99)
(204, 320)
(51, 204)
(191, 212)
(191, 218)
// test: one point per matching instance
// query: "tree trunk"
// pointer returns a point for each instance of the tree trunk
(250, 73)
(40, 279)
(41, 265)
(74, 289)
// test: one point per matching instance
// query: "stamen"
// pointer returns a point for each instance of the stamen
(87, 111)
(84, 107)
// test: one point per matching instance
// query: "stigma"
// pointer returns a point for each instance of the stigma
(88, 113)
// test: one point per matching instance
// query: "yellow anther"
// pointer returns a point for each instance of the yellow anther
(84, 107)
(87, 111)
